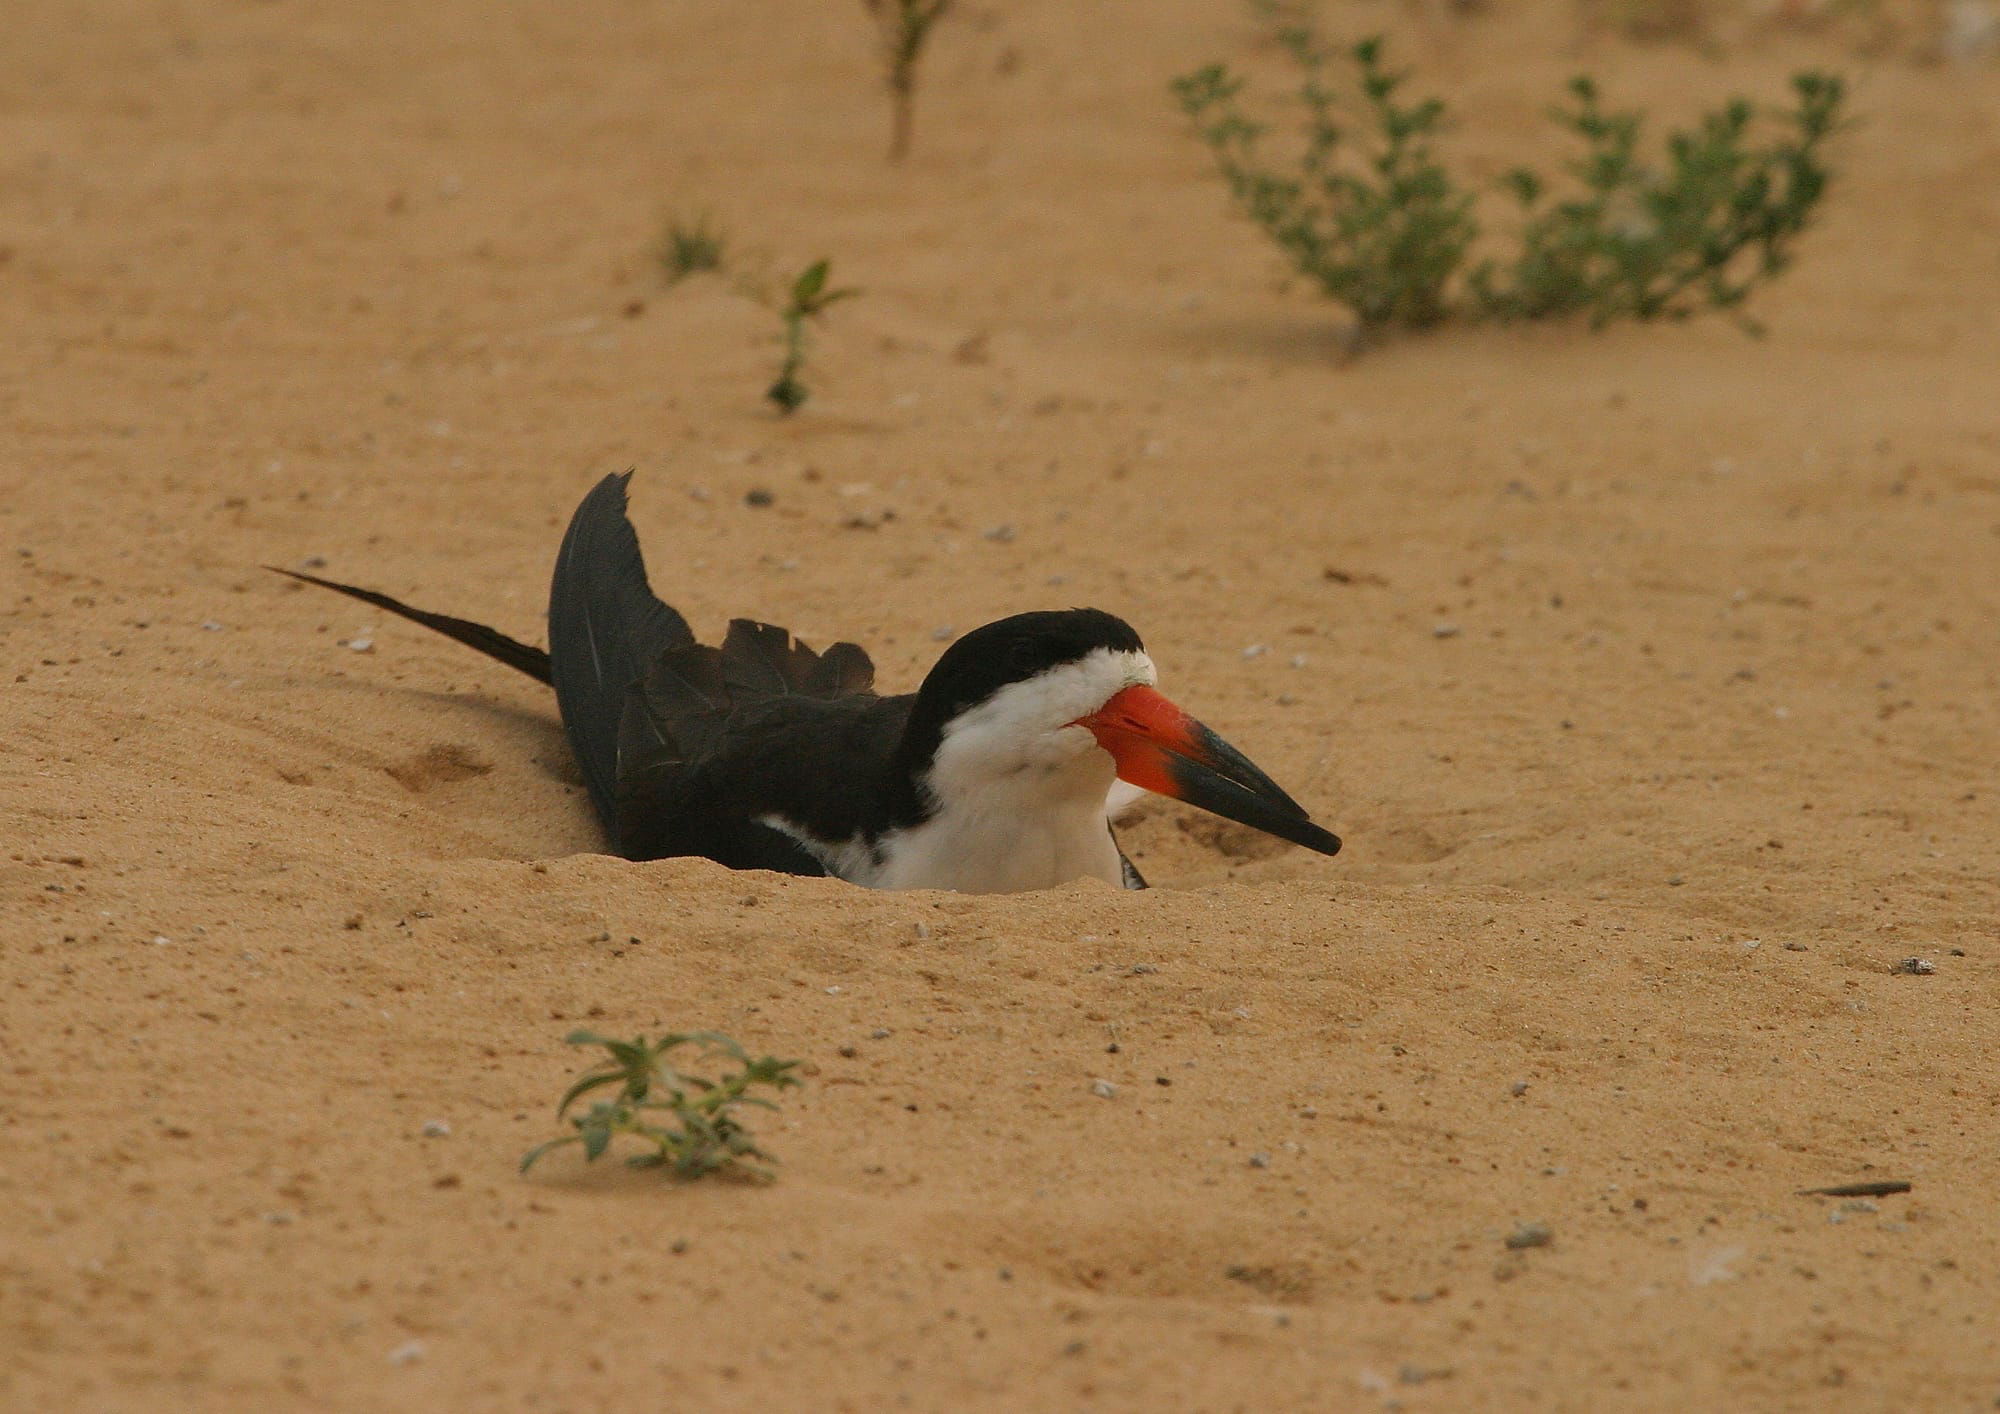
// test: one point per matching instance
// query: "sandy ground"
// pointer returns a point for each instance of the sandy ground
(1650, 675)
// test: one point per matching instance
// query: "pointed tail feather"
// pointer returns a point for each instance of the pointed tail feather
(606, 629)
(493, 643)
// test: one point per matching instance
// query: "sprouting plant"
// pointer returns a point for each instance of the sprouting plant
(1647, 241)
(903, 25)
(1369, 212)
(807, 299)
(690, 246)
(687, 1120)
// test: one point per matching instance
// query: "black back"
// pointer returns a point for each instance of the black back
(712, 740)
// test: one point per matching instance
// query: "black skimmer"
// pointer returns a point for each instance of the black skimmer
(762, 754)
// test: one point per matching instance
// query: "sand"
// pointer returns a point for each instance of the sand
(1650, 676)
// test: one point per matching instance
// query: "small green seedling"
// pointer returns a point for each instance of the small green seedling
(808, 299)
(691, 246)
(904, 25)
(699, 1133)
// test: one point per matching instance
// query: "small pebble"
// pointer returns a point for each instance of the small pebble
(1915, 967)
(1143, 969)
(1255, 650)
(1260, 1161)
(160, 940)
(1445, 630)
(361, 645)
(1103, 1089)
(1518, 1088)
(408, 1353)
(211, 625)
(943, 633)
(999, 534)
(1530, 1235)
(436, 1129)
(758, 498)
(880, 1033)
(1299, 660)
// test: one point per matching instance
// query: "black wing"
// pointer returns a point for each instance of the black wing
(606, 629)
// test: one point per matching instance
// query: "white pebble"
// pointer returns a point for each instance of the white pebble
(1103, 1089)
(408, 1353)
(436, 1129)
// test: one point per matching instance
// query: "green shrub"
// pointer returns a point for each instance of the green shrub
(1643, 241)
(1368, 211)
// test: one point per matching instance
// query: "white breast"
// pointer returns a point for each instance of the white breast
(1042, 828)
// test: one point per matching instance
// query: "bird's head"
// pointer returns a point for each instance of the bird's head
(1069, 697)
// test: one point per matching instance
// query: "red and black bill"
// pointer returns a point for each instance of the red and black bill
(1161, 748)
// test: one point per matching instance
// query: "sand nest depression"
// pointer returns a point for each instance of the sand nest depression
(1649, 675)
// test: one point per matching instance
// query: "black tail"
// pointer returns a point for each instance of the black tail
(494, 644)
(606, 630)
